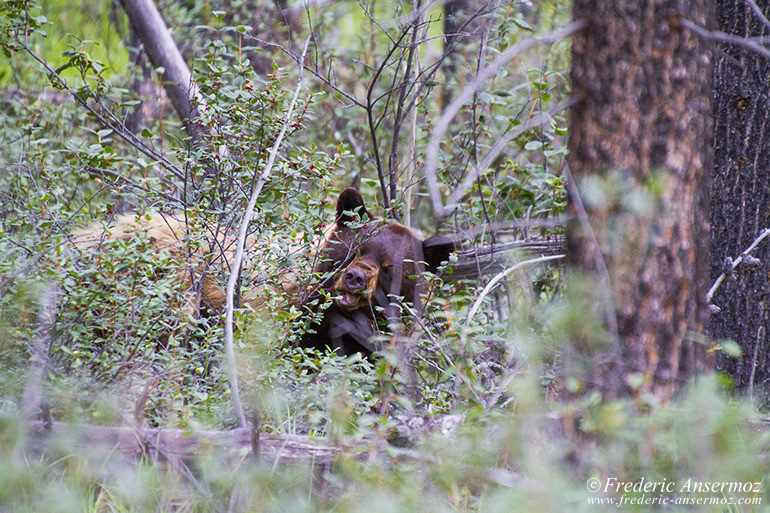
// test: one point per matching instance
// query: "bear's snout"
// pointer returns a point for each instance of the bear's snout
(356, 285)
(354, 279)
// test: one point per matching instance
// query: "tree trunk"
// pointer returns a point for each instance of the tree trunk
(741, 203)
(639, 156)
(453, 9)
(163, 52)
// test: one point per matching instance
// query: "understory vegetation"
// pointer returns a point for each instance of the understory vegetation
(493, 409)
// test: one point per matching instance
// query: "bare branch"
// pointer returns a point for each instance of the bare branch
(317, 74)
(373, 126)
(736, 263)
(502, 275)
(715, 35)
(431, 157)
(238, 258)
(400, 112)
(758, 12)
(500, 145)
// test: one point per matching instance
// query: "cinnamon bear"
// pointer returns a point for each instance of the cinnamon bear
(197, 266)
(370, 266)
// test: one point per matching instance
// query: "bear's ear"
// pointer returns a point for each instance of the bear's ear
(436, 250)
(350, 200)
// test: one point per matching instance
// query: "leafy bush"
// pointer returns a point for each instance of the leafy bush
(119, 323)
(126, 347)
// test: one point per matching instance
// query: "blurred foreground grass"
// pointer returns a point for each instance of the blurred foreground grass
(531, 457)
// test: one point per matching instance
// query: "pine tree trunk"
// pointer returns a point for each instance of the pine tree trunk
(639, 155)
(741, 199)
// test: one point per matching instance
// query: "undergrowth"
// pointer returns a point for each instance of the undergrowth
(492, 412)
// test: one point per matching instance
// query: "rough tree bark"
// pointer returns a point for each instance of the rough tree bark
(741, 200)
(639, 134)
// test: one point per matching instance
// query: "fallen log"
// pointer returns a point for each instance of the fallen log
(182, 444)
(484, 260)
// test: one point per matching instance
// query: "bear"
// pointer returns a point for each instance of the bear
(369, 265)
(200, 256)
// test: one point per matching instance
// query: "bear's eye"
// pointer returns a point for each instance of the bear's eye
(386, 266)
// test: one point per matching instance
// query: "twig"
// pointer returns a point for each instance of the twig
(500, 276)
(431, 156)
(735, 264)
(373, 126)
(715, 35)
(400, 112)
(108, 175)
(500, 145)
(758, 12)
(238, 258)
(757, 340)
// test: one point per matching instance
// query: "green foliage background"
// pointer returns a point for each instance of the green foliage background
(529, 437)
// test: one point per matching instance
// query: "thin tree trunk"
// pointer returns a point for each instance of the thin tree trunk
(163, 52)
(638, 140)
(741, 203)
(453, 9)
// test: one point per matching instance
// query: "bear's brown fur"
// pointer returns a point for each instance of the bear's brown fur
(377, 264)
(199, 260)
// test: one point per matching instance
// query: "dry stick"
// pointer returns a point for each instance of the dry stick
(760, 336)
(373, 126)
(736, 263)
(411, 60)
(238, 259)
(431, 156)
(499, 276)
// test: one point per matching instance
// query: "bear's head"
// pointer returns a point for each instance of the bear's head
(371, 263)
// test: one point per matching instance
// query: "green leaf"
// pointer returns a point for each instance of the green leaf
(522, 24)
(146, 133)
(731, 348)
(533, 145)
